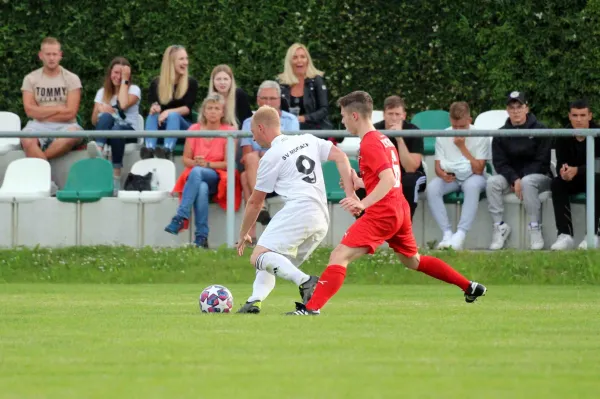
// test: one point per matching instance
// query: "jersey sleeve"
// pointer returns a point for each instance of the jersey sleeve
(266, 176)
(324, 147)
(374, 156)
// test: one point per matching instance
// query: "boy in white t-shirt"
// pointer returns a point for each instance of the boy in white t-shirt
(51, 98)
(291, 167)
(459, 166)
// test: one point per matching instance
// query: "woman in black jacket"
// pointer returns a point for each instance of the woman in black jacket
(303, 89)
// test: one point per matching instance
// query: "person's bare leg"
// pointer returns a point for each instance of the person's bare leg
(31, 147)
(61, 146)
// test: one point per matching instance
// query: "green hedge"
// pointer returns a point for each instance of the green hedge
(430, 52)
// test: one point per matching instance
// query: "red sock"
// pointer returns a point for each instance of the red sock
(329, 283)
(439, 269)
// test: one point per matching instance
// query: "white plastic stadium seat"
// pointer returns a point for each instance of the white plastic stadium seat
(9, 122)
(163, 171)
(26, 179)
(490, 120)
(377, 116)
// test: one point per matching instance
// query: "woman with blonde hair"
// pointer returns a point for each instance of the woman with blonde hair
(172, 96)
(303, 89)
(202, 157)
(237, 104)
(116, 107)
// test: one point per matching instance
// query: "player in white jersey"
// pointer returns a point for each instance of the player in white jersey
(292, 168)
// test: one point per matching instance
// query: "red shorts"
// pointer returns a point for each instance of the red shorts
(371, 232)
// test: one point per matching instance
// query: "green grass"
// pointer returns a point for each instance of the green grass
(185, 265)
(373, 341)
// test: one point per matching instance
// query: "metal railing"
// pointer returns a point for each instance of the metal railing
(231, 135)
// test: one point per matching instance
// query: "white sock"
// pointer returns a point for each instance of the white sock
(263, 285)
(281, 266)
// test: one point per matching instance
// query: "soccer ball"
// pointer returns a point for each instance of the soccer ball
(216, 299)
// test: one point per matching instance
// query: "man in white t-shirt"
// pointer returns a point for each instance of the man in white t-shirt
(51, 98)
(292, 167)
(459, 166)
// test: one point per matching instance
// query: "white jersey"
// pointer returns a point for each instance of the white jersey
(292, 168)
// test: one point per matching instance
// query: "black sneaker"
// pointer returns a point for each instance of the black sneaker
(160, 152)
(474, 291)
(264, 217)
(251, 307)
(168, 154)
(307, 288)
(146, 153)
(302, 311)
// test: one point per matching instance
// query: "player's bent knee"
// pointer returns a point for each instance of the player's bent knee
(258, 251)
(410, 262)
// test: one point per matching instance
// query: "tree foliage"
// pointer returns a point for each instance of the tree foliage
(430, 52)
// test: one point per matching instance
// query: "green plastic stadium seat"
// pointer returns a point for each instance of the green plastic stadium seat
(88, 181)
(431, 120)
(578, 198)
(332, 180)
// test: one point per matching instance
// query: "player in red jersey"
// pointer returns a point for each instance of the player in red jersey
(384, 220)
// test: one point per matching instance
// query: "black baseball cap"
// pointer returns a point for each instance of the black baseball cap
(516, 96)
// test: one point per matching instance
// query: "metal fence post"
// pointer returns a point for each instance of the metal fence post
(590, 178)
(230, 190)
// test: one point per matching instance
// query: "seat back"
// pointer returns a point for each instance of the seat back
(163, 170)
(332, 180)
(140, 122)
(490, 120)
(27, 176)
(92, 174)
(377, 116)
(432, 119)
(9, 122)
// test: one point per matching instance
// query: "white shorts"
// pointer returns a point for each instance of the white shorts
(295, 231)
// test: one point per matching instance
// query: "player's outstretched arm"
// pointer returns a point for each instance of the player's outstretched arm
(343, 165)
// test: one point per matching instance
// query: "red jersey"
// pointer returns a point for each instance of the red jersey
(376, 154)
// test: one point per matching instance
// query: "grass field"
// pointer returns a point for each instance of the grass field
(373, 341)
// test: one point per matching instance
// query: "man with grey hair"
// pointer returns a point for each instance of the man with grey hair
(268, 93)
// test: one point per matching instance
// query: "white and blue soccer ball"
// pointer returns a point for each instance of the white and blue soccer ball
(216, 299)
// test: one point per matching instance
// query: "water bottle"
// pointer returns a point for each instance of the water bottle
(154, 181)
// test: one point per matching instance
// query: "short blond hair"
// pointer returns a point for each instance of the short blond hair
(49, 40)
(459, 110)
(267, 116)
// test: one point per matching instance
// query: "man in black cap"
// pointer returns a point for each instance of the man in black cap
(570, 170)
(523, 167)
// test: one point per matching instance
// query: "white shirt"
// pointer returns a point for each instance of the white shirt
(131, 113)
(292, 168)
(452, 160)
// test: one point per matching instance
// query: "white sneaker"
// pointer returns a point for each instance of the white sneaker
(458, 240)
(93, 150)
(445, 243)
(536, 240)
(583, 244)
(501, 233)
(563, 242)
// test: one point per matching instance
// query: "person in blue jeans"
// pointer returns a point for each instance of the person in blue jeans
(172, 97)
(203, 157)
(116, 107)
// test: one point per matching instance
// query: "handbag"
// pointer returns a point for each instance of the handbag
(138, 182)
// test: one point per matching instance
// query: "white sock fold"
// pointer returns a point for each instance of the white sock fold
(281, 266)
